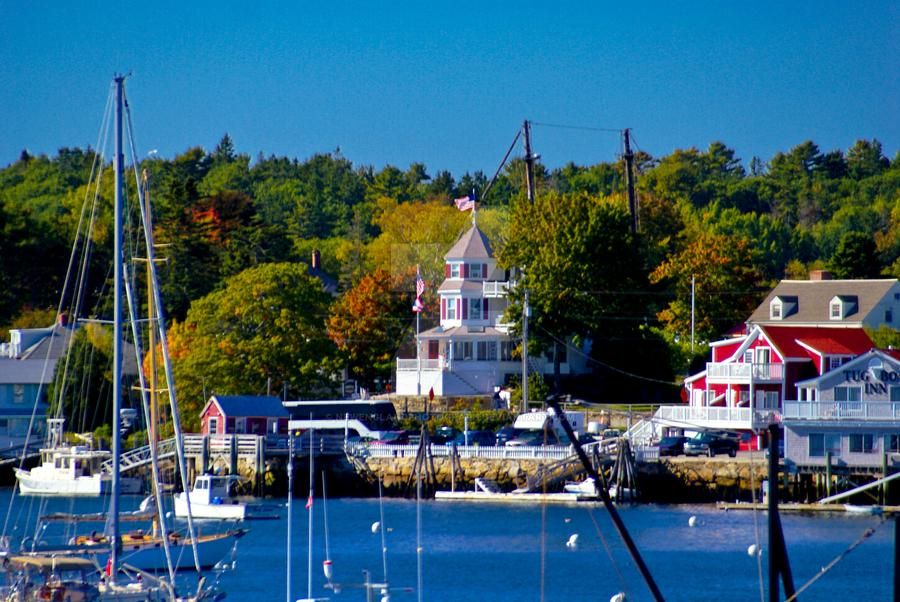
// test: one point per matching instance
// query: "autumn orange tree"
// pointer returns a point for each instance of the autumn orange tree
(725, 285)
(368, 324)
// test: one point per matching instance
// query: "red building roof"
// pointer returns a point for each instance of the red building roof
(826, 341)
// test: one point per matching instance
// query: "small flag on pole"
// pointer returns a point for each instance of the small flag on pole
(309, 501)
(418, 306)
(465, 203)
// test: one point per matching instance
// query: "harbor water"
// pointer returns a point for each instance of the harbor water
(518, 552)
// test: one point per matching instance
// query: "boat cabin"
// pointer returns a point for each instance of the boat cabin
(213, 489)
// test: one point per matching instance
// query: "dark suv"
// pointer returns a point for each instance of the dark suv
(710, 444)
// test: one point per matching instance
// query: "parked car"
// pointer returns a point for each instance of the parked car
(672, 446)
(480, 438)
(530, 438)
(710, 444)
(507, 433)
(443, 434)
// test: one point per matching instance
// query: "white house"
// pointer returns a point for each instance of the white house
(471, 352)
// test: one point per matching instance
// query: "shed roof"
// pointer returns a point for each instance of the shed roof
(249, 405)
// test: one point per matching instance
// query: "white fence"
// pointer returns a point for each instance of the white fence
(521, 452)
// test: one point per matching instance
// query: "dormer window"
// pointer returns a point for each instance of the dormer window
(775, 309)
(455, 270)
(782, 306)
(842, 306)
(475, 271)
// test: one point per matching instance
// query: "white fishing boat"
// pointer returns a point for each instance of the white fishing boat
(585, 487)
(215, 497)
(70, 470)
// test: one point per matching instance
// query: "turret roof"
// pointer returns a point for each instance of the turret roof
(473, 244)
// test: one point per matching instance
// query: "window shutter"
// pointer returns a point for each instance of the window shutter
(458, 308)
(465, 270)
(484, 273)
(443, 309)
(465, 308)
(485, 305)
(446, 270)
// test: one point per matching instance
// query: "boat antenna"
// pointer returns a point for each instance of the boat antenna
(554, 402)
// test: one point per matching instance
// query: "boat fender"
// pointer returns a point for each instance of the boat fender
(217, 500)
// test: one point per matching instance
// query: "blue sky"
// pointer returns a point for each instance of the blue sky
(449, 84)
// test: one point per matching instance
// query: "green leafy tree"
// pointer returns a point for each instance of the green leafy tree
(855, 257)
(264, 331)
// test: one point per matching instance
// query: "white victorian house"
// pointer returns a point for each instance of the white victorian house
(471, 352)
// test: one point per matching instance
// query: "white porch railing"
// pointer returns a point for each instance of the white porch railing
(494, 288)
(738, 372)
(413, 364)
(841, 410)
(702, 415)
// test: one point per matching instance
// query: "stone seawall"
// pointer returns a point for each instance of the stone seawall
(667, 480)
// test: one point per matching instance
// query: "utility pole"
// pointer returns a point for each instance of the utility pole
(525, 311)
(629, 180)
(529, 162)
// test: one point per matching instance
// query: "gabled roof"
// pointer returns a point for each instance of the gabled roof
(249, 405)
(814, 296)
(26, 372)
(473, 244)
(865, 360)
(52, 345)
(463, 331)
(791, 340)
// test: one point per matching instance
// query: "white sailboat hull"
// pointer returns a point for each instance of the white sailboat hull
(150, 556)
(43, 481)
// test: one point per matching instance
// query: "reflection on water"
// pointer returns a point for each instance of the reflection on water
(492, 552)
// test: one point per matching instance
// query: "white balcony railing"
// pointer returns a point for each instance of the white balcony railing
(841, 410)
(414, 365)
(705, 415)
(738, 372)
(494, 289)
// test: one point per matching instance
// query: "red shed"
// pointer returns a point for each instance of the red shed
(250, 414)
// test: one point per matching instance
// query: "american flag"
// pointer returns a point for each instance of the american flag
(418, 307)
(465, 203)
(420, 284)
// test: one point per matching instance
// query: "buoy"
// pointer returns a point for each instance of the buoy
(375, 526)
(620, 597)
(568, 520)
(573, 541)
(327, 569)
(692, 521)
(753, 550)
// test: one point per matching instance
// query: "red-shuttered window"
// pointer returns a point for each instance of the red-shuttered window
(443, 309)
(465, 270)
(458, 307)
(446, 270)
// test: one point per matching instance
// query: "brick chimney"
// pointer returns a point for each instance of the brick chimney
(819, 275)
(316, 260)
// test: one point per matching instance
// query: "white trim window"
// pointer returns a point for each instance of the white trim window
(212, 425)
(835, 310)
(775, 309)
(451, 308)
(455, 270)
(475, 271)
(848, 393)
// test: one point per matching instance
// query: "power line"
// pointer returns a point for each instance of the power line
(578, 127)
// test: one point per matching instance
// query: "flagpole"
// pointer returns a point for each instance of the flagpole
(417, 307)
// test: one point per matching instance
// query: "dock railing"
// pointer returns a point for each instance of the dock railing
(521, 452)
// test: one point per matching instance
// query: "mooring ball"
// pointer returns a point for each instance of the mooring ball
(692, 521)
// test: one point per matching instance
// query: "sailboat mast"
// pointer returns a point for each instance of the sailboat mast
(117, 330)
